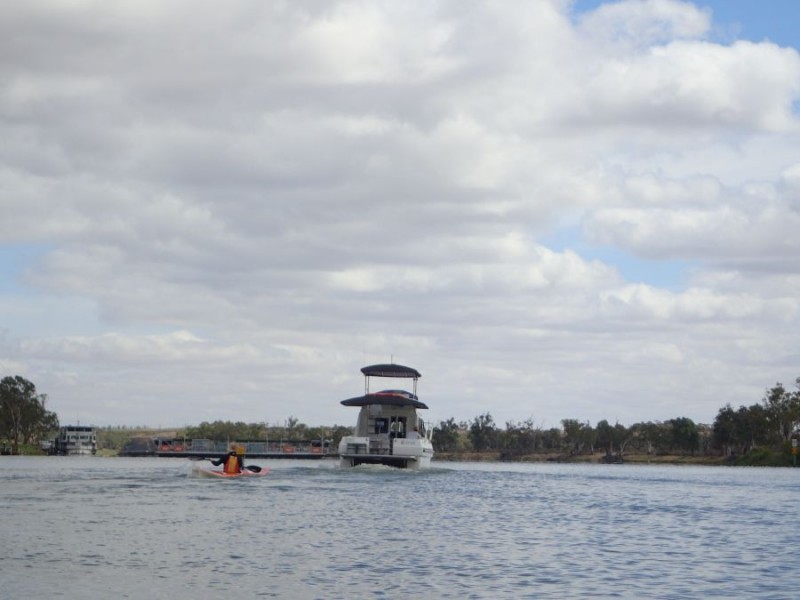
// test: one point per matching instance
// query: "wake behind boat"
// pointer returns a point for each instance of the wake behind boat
(388, 431)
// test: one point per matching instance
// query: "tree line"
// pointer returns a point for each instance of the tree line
(772, 423)
(676, 436)
(765, 427)
(290, 430)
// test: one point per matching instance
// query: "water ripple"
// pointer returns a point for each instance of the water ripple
(143, 528)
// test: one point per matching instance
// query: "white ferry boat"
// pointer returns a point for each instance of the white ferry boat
(75, 440)
(388, 431)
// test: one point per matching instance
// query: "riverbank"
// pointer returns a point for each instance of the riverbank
(761, 459)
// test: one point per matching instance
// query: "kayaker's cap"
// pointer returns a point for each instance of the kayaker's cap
(239, 450)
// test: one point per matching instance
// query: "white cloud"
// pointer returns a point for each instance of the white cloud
(241, 203)
(152, 350)
(749, 227)
(639, 23)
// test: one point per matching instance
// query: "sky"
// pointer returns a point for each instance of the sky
(551, 209)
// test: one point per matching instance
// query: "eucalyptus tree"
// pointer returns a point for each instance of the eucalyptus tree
(685, 435)
(755, 427)
(446, 436)
(578, 436)
(783, 410)
(551, 439)
(725, 430)
(521, 438)
(483, 433)
(23, 416)
(605, 436)
(611, 437)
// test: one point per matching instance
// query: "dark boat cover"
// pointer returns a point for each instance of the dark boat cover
(386, 398)
(390, 371)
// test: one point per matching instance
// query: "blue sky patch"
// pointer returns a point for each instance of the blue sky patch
(14, 259)
(665, 274)
(773, 20)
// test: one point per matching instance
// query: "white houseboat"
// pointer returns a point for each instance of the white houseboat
(75, 440)
(388, 431)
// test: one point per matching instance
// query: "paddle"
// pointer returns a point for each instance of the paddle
(253, 468)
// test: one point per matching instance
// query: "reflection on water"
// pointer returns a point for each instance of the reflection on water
(143, 528)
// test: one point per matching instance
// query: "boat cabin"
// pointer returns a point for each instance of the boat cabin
(388, 430)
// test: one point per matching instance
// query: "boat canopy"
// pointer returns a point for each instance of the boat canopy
(390, 370)
(386, 398)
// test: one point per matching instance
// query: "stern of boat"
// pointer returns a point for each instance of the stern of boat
(401, 453)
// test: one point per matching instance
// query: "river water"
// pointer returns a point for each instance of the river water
(81, 527)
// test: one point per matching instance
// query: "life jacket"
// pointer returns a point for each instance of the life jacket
(232, 464)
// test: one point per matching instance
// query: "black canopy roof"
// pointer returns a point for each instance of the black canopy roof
(387, 398)
(390, 370)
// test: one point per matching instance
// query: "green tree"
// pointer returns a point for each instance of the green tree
(295, 430)
(219, 431)
(23, 416)
(577, 435)
(652, 437)
(605, 436)
(483, 433)
(622, 436)
(725, 430)
(685, 435)
(754, 427)
(551, 439)
(612, 437)
(446, 436)
(520, 438)
(783, 411)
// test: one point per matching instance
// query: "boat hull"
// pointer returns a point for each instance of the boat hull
(400, 462)
(206, 473)
(401, 453)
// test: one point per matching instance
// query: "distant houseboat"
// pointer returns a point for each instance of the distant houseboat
(75, 440)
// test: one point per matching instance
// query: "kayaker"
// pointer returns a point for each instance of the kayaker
(234, 462)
